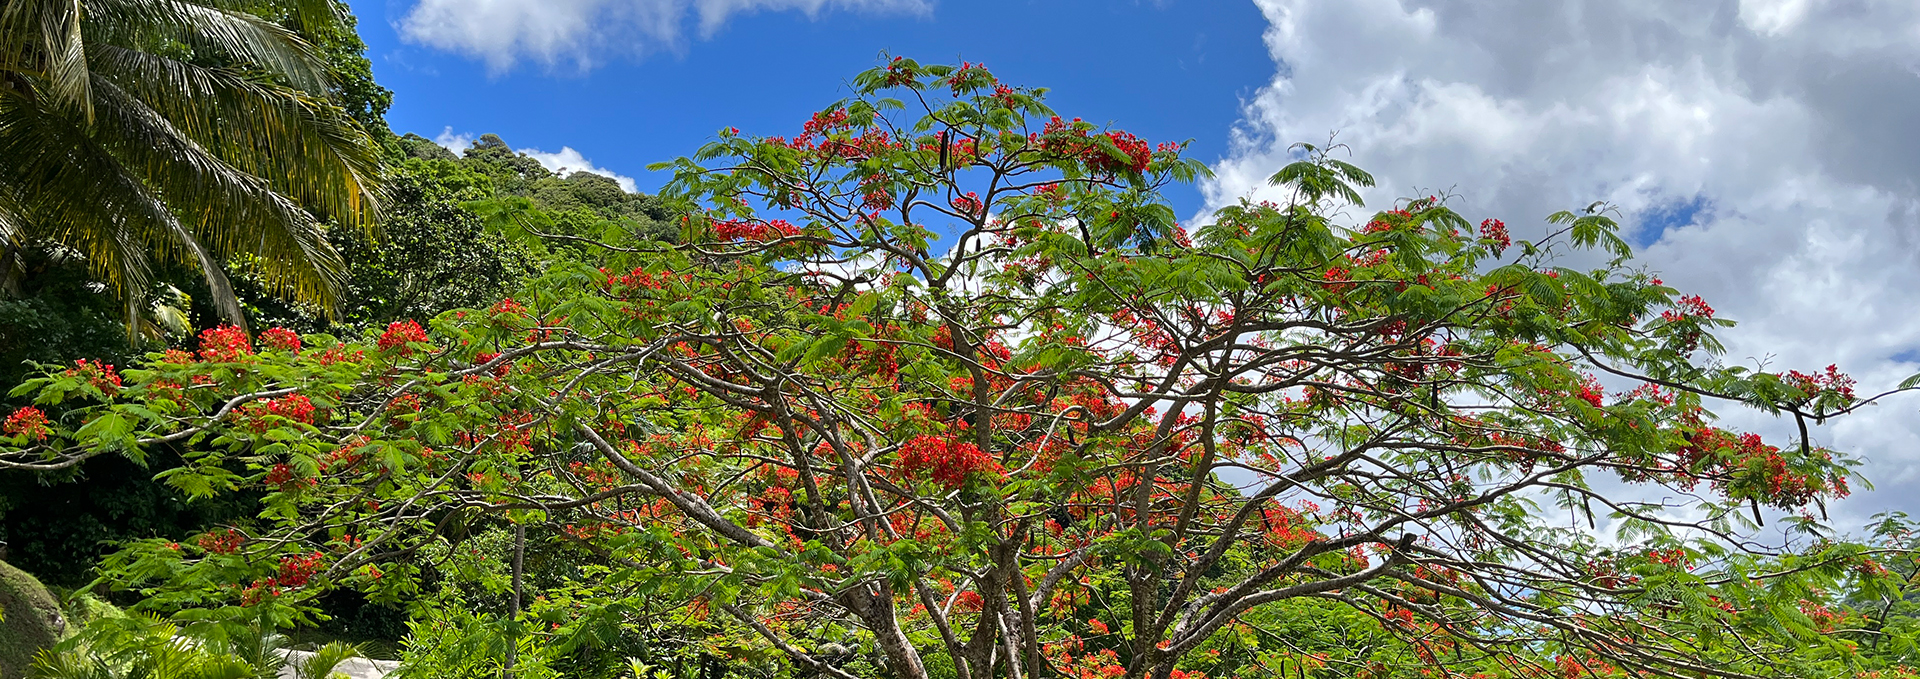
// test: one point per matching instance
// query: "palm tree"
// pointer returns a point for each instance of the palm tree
(134, 132)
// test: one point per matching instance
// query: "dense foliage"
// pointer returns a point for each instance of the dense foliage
(195, 133)
(938, 387)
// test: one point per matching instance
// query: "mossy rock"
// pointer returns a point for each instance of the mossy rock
(32, 621)
(85, 608)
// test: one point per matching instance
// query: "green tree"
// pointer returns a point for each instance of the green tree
(432, 254)
(179, 131)
(937, 387)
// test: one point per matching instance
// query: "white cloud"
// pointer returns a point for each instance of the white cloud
(1788, 120)
(457, 143)
(568, 161)
(564, 162)
(588, 32)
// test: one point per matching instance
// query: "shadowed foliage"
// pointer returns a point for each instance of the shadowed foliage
(142, 131)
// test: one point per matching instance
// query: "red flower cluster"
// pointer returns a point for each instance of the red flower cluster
(1671, 558)
(1831, 381)
(968, 205)
(1691, 306)
(28, 422)
(1336, 278)
(901, 72)
(281, 475)
(969, 76)
(282, 339)
(400, 334)
(1591, 392)
(1071, 140)
(1824, 619)
(1287, 528)
(225, 344)
(1744, 465)
(1138, 154)
(826, 121)
(296, 571)
(1496, 231)
(947, 462)
(294, 407)
(221, 542)
(100, 375)
(486, 357)
(640, 279)
(508, 306)
(754, 231)
(875, 197)
(1387, 221)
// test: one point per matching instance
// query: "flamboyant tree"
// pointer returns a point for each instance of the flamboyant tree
(941, 378)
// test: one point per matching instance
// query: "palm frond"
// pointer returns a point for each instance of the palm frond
(245, 37)
(68, 189)
(123, 154)
(309, 148)
(43, 39)
(325, 661)
(210, 195)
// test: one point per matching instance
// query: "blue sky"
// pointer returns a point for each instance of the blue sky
(1171, 70)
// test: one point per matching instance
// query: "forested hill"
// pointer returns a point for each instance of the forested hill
(462, 231)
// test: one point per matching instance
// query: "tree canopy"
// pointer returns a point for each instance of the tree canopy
(939, 386)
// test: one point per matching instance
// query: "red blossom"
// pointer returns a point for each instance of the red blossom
(281, 339)
(1336, 278)
(1690, 306)
(1690, 309)
(1831, 381)
(225, 344)
(754, 231)
(100, 375)
(1072, 140)
(1496, 231)
(279, 475)
(968, 205)
(28, 422)
(901, 72)
(948, 463)
(221, 541)
(298, 570)
(401, 334)
(486, 357)
(969, 76)
(508, 306)
(294, 407)
(1591, 392)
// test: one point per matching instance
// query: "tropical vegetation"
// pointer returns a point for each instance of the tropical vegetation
(933, 385)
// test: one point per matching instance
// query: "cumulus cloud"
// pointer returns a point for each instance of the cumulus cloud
(457, 143)
(1760, 150)
(567, 161)
(587, 32)
(564, 162)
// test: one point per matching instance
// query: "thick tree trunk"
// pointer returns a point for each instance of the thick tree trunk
(876, 609)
